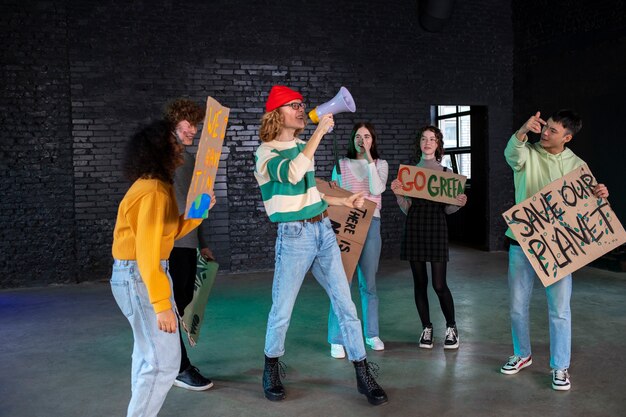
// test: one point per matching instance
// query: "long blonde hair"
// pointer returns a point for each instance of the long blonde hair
(271, 125)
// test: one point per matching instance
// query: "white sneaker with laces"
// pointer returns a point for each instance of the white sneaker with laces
(516, 364)
(560, 380)
(375, 343)
(337, 351)
(426, 339)
(452, 338)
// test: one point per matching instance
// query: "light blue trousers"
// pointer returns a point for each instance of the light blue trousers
(300, 247)
(156, 354)
(366, 273)
(521, 279)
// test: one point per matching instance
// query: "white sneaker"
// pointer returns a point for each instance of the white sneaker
(452, 338)
(560, 380)
(337, 351)
(375, 343)
(426, 339)
(516, 364)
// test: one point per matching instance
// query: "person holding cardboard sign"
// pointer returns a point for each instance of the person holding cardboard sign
(363, 170)
(147, 224)
(185, 115)
(425, 239)
(535, 166)
(285, 171)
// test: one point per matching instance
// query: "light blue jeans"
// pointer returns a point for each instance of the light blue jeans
(366, 272)
(521, 279)
(156, 354)
(300, 247)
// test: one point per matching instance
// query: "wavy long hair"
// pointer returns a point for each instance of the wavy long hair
(438, 152)
(352, 153)
(271, 124)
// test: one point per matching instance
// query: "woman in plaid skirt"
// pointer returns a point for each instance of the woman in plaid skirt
(426, 240)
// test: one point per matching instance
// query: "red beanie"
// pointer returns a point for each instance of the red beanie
(279, 95)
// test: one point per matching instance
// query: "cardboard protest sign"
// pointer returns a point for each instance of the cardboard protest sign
(563, 227)
(441, 186)
(207, 160)
(350, 226)
(194, 312)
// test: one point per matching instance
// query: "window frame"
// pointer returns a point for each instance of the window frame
(436, 117)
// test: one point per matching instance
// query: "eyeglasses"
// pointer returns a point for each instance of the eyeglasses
(295, 106)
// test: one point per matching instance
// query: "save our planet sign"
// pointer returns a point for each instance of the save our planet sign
(564, 226)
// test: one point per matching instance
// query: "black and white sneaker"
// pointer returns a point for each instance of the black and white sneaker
(516, 364)
(560, 380)
(426, 339)
(452, 338)
(192, 380)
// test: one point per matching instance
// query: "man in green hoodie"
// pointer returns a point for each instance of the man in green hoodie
(535, 166)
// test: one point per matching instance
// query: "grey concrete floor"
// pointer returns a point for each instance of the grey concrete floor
(65, 351)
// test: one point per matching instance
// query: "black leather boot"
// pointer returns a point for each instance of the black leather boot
(272, 387)
(367, 385)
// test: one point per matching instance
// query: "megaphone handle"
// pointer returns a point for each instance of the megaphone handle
(330, 129)
(337, 165)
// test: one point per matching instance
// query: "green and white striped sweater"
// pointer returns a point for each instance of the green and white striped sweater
(287, 181)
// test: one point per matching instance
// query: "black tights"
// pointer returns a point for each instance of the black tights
(420, 287)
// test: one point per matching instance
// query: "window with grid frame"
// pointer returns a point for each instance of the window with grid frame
(454, 121)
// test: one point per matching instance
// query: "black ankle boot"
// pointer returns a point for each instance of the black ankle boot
(367, 385)
(273, 388)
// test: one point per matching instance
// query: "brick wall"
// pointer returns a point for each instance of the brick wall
(37, 244)
(112, 65)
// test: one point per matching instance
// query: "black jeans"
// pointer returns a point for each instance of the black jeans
(183, 272)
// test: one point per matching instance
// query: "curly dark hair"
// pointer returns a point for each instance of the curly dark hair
(183, 109)
(438, 135)
(152, 152)
(351, 154)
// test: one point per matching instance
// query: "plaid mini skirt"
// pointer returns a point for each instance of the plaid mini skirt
(425, 236)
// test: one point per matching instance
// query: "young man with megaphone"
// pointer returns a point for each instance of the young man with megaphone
(305, 240)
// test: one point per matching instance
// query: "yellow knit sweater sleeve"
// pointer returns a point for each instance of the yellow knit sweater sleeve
(186, 226)
(151, 219)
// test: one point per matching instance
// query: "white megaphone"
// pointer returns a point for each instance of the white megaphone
(341, 103)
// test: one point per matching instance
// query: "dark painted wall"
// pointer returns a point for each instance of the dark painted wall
(79, 76)
(571, 54)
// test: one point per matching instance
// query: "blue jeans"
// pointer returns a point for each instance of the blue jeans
(521, 279)
(156, 354)
(300, 247)
(366, 273)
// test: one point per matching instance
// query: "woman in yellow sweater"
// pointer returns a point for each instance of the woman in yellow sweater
(147, 225)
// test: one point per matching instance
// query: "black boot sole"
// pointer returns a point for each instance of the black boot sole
(274, 397)
(374, 401)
